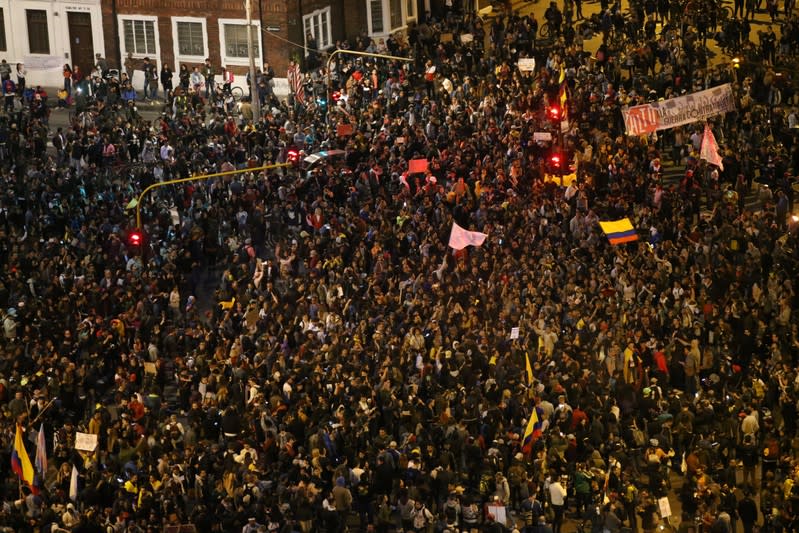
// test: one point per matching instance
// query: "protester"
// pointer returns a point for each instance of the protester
(300, 348)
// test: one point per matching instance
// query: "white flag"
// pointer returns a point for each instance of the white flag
(710, 149)
(73, 485)
(460, 238)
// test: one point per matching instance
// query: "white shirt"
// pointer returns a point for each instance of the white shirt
(557, 493)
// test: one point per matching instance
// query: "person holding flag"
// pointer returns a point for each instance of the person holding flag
(20, 462)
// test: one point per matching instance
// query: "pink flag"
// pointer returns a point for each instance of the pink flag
(461, 238)
(710, 149)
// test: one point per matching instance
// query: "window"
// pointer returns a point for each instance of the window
(410, 9)
(317, 24)
(3, 46)
(376, 7)
(191, 38)
(38, 36)
(236, 41)
(140, 37)
(395, 9)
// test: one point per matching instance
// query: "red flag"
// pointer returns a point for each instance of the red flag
(710, 149)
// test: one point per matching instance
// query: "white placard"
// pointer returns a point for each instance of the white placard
(514, 333)
(542, 136)
(43, 62)
(85, 442)
(665, 507)
(499, 512)
(526, 64)
(467, 38)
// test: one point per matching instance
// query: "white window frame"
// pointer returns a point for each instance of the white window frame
(307, 26)
(411, 15)
(239, 61)
(156, 56)
(176, 42)
(369, 18)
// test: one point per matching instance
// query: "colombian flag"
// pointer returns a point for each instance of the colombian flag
(20, 463)
(619, 231)
(532, 432)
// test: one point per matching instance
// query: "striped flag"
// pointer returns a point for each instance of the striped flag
(619, 231)
(20, 462)
(41, 455)
(296, 83)
(563, 99)
(533, 431)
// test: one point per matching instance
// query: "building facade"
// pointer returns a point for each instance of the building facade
(46, 34)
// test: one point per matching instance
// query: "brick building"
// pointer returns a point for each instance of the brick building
(188, 31)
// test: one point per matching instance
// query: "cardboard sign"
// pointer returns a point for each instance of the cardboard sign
(417, 166)
(344, 130)
(446, 38)
(85, 442)
(665, 507)
(150, 368)
(526, 64)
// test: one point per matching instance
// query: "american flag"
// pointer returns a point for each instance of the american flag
(296, 83)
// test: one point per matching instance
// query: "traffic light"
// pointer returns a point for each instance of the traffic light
(135, 237)
(556, 163)
(554, 113)
(293, 156)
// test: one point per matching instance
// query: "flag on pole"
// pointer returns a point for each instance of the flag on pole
(532, 432)
(73, 484)
(619, 231)
(563, 99)
(20, 462)
(41, 454)
(710, 149)
(460, 238)
(529, 368)
(296, 82)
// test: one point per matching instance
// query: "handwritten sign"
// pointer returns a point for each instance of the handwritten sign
(417, 166)
(446, 38)
(665, 507)
(467, 38)
(150, 368)
(344, 130)
(542, 136)
(85, 442)
(526, 64)
(514, 333)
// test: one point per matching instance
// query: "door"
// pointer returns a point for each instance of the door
(80, 40)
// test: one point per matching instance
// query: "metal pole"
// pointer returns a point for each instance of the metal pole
(353, 53)
(198, 178)
(255, 101)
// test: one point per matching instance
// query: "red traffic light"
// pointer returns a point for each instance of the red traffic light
(135, 238)
(554, 113)
(293, 156)
(555, 160)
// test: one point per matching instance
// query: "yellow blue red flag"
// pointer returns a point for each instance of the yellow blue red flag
(619, 231)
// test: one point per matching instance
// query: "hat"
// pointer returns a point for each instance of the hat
(12, 312)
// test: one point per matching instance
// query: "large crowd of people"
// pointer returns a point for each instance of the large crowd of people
(299, 349)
